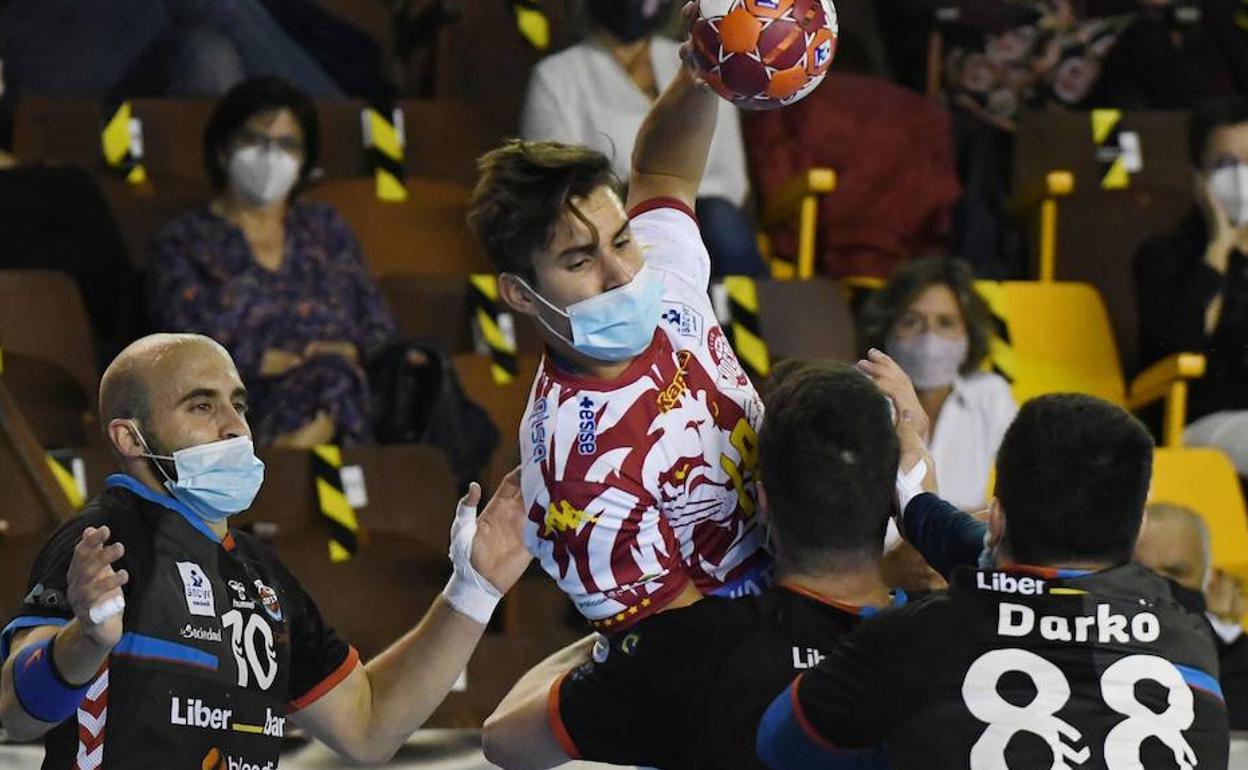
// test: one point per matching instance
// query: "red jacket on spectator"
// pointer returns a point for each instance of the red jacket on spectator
(892, 151)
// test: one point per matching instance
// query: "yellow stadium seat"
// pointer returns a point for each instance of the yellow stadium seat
(1056, 337)
(1204, 481)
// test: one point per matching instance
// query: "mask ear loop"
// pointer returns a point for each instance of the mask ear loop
(147, 452)
(547, 303)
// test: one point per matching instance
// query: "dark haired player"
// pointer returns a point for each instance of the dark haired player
(639, 444)
(1059, 653)
(686, 688)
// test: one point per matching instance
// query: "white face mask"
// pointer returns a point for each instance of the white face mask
(930, 360)
(262, 174)
(1228, 186)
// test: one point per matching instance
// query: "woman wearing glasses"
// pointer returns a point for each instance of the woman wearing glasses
(280, 282)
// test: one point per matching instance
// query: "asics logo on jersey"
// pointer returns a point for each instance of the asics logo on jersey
(1008, 584)
(1104, 627)
(564, 517)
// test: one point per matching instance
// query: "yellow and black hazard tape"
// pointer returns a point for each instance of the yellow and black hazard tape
(384, 147)
(344, 526)
(495, 325)
(1106, 133)
(122, 144)
(532, 23)
(744, 330)
(1001, 358)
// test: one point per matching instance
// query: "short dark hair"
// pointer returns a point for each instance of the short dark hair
(908, 281)
(1072, 475)
(250, 98)
(522, 193)
(1209, 116)
(828, 454)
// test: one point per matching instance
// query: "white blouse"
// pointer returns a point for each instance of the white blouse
(582, 95)
(966, 436)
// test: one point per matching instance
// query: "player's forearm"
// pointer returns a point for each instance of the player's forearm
(77, 658)
(412, 677)
(676, 136)
(538, 679)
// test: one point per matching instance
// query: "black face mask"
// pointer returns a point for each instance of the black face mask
(627, 20)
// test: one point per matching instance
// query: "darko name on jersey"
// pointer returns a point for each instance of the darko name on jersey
(1103, 627)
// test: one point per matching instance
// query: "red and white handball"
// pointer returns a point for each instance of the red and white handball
(764, 54)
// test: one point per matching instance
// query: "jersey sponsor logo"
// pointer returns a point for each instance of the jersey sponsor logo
(1004, 583)
(268, 598)
(587, 438)
(1104, 627)
(200, 634)
(537, 430)
(198, 587)
(602, 649)
(564, 517)
(215, 759)
(193, 712)
(45, 597)
(669, 396)
(241, 602)
(806, 657)
(822, 53)
(731, 375)
(685, 320)
(628, 645)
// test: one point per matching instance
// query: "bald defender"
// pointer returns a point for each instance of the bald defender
(1175, 543)
(153, 636)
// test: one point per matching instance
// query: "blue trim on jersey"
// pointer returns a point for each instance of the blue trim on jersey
(1201, 681)
(151, 648)
(135, 486)
(783, 742)
(761, 577)
(900, 598)
(20, 622)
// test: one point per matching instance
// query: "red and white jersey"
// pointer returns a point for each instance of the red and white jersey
(637, 485)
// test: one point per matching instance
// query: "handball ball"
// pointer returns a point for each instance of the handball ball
(764, 54)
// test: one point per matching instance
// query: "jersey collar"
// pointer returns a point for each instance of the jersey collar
(129, 482)
(899, 599)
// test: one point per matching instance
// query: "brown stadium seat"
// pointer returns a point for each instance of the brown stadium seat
(141, 211)
(62, 130)
(402, 562)
(42, 319)
(806, 319)
(439, 307)
(425, 234)
(1098, 229)
(504, 403)
(444, 139)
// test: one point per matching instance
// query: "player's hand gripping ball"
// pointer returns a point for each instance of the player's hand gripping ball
(763, 54)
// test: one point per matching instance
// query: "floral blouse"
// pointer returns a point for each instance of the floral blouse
(205, 279)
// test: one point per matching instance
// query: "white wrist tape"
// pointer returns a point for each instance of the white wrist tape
(106, 609)
(467, 591)
(910, 485)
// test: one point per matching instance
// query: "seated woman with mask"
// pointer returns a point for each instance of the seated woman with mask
(279, 282)
(930, 319)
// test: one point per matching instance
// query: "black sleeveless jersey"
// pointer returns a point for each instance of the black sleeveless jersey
(220, 643)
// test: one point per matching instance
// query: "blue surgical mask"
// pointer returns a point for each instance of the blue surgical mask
(615, 325)
(215, 480)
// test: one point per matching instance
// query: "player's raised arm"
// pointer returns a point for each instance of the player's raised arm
(672, 145)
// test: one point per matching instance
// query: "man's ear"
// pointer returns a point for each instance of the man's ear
(124, 438)
(520, 299)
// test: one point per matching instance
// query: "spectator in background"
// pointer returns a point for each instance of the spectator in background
(1175, 544)
(1192, 284)
(279, 282)
(929, 318)
(597, 93)
(68, 48)
(55, 218)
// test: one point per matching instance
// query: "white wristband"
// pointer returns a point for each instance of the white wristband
(106, 609)
(467, 591)
(910, 485)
